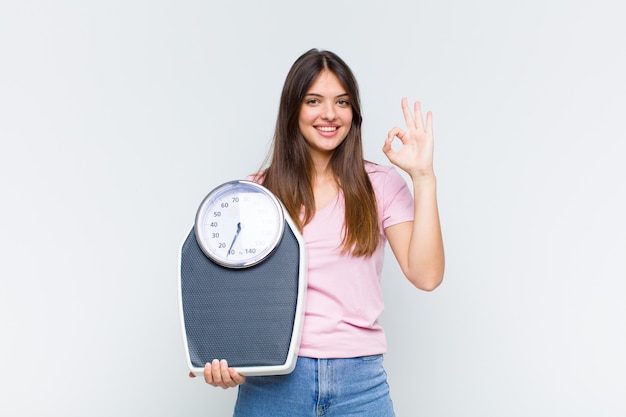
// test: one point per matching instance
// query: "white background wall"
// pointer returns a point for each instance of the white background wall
(117, 117)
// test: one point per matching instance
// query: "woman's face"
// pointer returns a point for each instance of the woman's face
(325, 114)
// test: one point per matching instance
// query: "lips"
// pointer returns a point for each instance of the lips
(327, 128)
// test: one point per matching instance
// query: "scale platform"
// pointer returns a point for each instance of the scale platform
(252, 317)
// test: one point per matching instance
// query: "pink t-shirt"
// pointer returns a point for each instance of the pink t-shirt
(344, 298)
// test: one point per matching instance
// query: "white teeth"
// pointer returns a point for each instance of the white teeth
(326, 128)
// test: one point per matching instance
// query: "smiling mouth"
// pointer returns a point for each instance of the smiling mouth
(327, 128)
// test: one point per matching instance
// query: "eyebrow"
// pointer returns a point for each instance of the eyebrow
(320, 95)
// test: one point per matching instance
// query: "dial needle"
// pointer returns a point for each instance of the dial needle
(234, 239)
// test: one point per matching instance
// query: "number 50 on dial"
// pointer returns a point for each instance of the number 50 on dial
(239, 224)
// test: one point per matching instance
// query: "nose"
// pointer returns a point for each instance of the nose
(328, 112)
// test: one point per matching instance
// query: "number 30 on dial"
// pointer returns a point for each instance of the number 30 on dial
(239, 224)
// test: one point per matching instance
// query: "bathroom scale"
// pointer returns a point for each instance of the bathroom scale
(242, 282)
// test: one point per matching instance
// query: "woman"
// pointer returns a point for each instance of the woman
(346, 208)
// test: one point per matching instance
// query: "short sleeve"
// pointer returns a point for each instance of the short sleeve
(394, 199)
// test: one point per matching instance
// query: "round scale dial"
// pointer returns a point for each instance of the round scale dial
(239, 224)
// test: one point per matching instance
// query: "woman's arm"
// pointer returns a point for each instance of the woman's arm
(417, 245)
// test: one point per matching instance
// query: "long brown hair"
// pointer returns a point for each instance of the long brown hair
(290, 172)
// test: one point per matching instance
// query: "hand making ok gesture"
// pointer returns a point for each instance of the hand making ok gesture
(416, 154)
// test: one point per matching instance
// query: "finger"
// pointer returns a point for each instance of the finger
(191, 375)
(227, 380)
(216, 373)
(419, 121)
(387, 149)
(429, 122)
(208, 376)
(212, 373)
(408, 116)
(396, 132)
(237, 378)
(230, 377)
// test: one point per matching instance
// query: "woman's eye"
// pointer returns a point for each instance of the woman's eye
(312, 101)
(343, 102)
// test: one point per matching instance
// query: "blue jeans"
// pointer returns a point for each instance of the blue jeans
(319, 387)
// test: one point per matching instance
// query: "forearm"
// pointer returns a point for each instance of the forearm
(425, 264)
